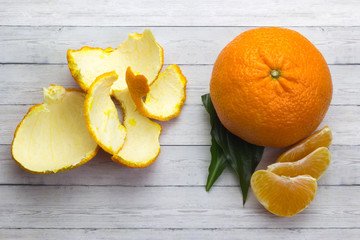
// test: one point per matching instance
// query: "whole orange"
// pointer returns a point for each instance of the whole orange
(271, 87)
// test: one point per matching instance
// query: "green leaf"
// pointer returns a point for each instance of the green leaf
(217, 165)
(228, 149)
(244, 158)
(218, 161)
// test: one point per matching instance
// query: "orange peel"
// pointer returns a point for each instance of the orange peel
(87, 63)
(141, 146)
(136, 141)
(101, 114)
(164, 98)
(315, 164)
(52, 136)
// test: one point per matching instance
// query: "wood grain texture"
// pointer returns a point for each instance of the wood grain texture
(184, 13)
(176, 166)
(167, 200)
(22, 83)
(183, 45)
(189, 234)
(166, 207)
(183, 131)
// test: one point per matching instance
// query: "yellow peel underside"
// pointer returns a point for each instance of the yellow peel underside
(141, 146)
(134, 144)
(101, 114)
(164, 100)
(315, 164)
(321, 138)
(164, 97)
(139, 51)
(53, 136)
(283, 196)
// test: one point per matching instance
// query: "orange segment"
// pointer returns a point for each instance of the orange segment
(283, 196)
(321, 138)
(314, 164)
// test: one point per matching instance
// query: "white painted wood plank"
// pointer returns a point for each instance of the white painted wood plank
(184, 13)
(164, 207)
(176, 166)
(189, 234)
(192, 126)
(182, 45)
(22, 84)
(167, 200)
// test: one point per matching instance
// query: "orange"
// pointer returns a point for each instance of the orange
(321, 138)
(283, 196)
(271, 87)
(314, 164)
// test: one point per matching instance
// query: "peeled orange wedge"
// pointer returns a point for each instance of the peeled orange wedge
(101, 114)
(164, 97)
(315, 164)
(321, 138)
(53, 136)
(141, 146)
(288, 186)
(140, 51)
(283, 196)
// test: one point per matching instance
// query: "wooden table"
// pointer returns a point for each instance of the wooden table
(103, 200)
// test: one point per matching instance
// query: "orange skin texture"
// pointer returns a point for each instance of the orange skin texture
(138, 85)
(264, 110)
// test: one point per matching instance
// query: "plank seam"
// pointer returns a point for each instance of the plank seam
(180, 229)
(176, 26)
(195, 104)
(145, 186)
(206, 145)
(179, 64)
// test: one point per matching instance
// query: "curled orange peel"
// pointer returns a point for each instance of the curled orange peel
(140, 51)
(141, 146)
(101, 114)
(55, 136)
(164, 97)
(52, 136)
(135, 143)
(103, 73)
